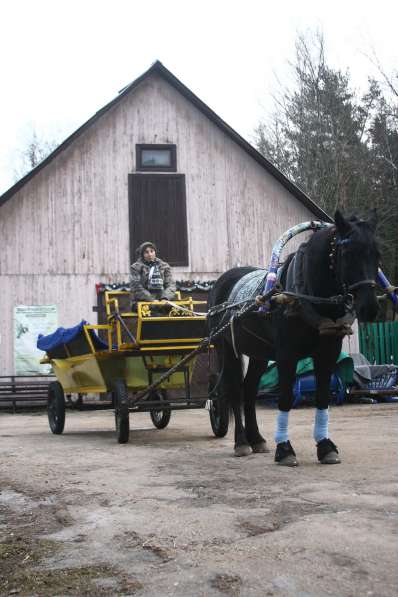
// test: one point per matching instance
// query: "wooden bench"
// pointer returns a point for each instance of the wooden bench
(23, 390)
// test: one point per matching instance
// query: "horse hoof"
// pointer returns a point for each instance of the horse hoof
(243, 450)
(260, 448)
(285, 455)
(327, 452)
(288, 461)
(331, 458)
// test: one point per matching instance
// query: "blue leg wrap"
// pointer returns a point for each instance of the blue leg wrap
(321, 424)
(282, 424)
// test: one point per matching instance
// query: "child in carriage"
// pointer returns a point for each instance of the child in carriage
(151, 278)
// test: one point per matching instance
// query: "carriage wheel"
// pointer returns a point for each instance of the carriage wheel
(219, 411)
(56, 407)
(121, 403)
(160, 418)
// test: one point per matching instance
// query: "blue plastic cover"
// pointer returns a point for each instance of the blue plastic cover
(64, 335)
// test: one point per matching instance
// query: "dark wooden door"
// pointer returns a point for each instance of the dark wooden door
(157, 213)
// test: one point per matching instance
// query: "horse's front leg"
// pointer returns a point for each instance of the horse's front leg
(284, 454)
(325, 363)
(250, 387)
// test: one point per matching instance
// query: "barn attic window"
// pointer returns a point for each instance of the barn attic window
(156, 158)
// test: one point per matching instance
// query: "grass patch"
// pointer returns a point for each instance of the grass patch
(65, 581)
(20, 575)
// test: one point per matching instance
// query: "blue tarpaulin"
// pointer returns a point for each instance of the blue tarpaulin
(63, 336)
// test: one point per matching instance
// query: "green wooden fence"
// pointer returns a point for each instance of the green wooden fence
(379, 342)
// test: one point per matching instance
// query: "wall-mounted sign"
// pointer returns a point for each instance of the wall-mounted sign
(29, 322)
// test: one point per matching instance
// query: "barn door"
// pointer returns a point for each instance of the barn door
(157, 213)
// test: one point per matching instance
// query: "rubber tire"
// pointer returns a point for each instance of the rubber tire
(56, 407)
(219, 411)
(160, 418)
(122, 417)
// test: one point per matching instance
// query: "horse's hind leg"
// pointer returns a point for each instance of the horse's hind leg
(232, 381)
(250, 386)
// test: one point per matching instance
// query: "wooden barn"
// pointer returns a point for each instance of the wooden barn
(158, 164)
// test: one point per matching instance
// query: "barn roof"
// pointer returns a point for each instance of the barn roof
(161, 70)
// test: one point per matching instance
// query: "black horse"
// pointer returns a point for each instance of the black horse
(336, 270)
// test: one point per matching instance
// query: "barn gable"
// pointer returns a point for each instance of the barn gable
(160, 69)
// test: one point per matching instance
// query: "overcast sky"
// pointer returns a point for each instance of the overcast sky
(63, 60)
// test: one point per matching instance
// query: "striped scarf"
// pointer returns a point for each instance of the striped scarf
(155, 280)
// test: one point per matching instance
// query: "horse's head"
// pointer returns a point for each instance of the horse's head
(356, 261)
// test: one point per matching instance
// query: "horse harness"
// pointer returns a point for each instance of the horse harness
(296, 287)
(294, 294)
(335, 264)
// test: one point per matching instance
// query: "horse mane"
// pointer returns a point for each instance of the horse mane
(284, 267)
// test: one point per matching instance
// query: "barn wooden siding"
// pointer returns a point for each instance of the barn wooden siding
(67, 228)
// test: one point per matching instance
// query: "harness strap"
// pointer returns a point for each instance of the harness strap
(339, 299)
(340, 327)
(232, 328)
(251, 333)
(371, 283)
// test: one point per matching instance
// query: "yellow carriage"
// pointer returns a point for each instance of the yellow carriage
(142, 357)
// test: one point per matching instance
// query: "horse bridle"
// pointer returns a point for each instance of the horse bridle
(369, 282)
(335, 258)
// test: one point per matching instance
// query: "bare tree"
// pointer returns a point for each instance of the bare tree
(317, 131)
(34, 150)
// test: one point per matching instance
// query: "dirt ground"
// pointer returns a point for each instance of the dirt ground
(174, 513)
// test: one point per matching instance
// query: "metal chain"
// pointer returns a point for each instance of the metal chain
(202, 346)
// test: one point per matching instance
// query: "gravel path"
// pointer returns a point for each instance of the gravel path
(173, 513)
